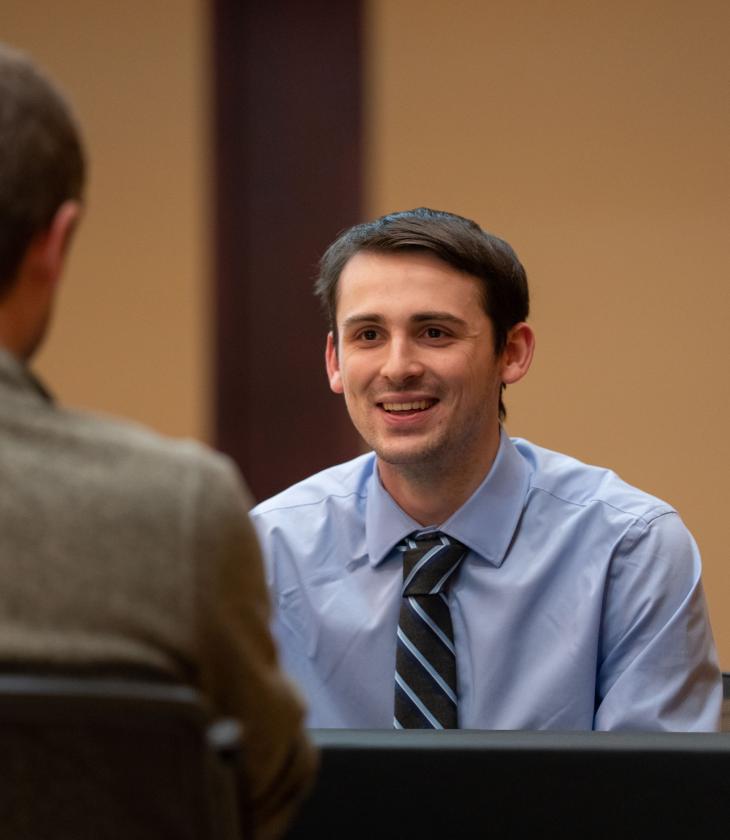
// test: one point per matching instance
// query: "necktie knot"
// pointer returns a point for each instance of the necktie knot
(429, 563)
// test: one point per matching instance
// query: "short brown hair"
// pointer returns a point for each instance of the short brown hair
(455, 240)
(41, 157)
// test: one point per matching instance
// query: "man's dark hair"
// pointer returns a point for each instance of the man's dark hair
(455, 240)
(41, 157)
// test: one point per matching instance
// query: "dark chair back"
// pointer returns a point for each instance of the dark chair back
(105, 759)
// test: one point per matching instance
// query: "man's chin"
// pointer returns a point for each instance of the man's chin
(404, 456)
(403, 450)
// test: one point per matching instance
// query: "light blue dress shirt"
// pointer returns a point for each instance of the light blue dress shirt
(578, 606)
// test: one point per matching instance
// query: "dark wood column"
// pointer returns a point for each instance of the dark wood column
(288, 179)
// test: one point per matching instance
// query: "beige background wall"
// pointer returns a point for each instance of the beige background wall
(591, 136)
(130, 333)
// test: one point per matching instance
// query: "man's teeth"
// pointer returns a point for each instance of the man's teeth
(418, 405)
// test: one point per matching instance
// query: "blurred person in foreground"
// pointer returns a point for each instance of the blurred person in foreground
(122, 553)
(454, 576)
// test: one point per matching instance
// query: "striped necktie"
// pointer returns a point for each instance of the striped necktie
(425, 666)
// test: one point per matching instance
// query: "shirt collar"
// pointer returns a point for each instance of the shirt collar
(16, 375)
(485, 523)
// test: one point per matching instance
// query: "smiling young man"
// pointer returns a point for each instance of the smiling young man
(453, 576)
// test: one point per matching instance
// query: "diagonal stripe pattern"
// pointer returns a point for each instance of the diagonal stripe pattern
(425, 666)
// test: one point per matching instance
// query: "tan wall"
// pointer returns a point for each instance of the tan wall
(129, 335)
(593, 138)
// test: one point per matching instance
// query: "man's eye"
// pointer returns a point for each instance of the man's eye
(369, 335)
(434, 332)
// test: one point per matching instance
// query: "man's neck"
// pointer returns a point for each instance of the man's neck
(21, 322)
(431, 493)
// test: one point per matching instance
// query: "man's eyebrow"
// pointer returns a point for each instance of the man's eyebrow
(437, 316)
(362, 318)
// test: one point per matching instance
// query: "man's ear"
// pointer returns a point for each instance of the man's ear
(45, 256)
(333, 365)
(56, 240)
(517, 354)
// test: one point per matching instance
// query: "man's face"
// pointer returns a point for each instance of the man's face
(415, 361)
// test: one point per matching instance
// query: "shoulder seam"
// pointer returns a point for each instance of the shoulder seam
(257, 512)
(662, 509)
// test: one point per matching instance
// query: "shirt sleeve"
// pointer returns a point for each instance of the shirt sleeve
(239, 668)
(657, 663)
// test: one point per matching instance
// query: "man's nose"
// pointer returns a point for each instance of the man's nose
(401, 361)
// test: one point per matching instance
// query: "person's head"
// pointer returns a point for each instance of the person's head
(426, 309)
(459, 242)
(42, 169)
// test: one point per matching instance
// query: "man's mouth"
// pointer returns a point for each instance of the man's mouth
(403, 407)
